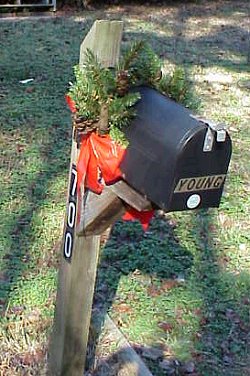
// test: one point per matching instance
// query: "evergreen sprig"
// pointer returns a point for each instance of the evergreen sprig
(177, 86)
(97, 86)
(131, 54)
(121, 113)
(146, 68)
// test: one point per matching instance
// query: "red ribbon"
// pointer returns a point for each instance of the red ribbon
(98, 162)
(98, 165)
(71, 103)
(144, 216)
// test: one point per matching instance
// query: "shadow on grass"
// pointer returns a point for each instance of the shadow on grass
(18, 259)
(37, 129)
(198, 34)
(149, 261)
(182, 51)
(219, 342)
(225, 342)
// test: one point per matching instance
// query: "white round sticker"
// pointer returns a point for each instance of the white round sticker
(193, 201)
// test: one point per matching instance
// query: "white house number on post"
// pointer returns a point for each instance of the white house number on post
(71, 216)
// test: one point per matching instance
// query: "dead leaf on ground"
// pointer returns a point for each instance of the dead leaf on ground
(33, 357)
(203, 321)
(244, 327)
(154, 291)
(122, 308)
(246, 301)
(27, 359)
(198, 335)
(165, 286)
(30, 90)
(166, 326)
(169, 284)
(197, 356)
(197, 312)
(20, 147)
(179, 313)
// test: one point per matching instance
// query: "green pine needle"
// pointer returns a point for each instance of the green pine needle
(96, 85)
(130, 55)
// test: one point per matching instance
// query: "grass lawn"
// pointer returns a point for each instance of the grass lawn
(183, 286)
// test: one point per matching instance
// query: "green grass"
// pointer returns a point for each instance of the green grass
(184, 285)
(196, 308)
(35, 150)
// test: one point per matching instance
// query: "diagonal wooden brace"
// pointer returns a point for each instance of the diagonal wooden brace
(98, 212)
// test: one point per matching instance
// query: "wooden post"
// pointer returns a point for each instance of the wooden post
(80, 252)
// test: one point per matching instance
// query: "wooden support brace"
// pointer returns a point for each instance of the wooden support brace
(108, 207)
(130, 196)
(99, 212)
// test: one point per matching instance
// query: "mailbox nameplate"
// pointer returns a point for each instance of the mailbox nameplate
(201, 183)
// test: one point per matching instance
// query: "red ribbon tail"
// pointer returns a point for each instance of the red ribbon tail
(144, 216)
(83, 161)
(71, 103)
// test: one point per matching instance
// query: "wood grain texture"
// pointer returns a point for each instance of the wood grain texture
(104, 41)
(130, 363)
(130, 196)
(99, 212)
(68, 345)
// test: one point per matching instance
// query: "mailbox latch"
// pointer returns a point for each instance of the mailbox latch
(214, 131)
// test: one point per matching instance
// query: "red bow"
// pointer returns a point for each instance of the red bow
(99, 164)
(99, 161)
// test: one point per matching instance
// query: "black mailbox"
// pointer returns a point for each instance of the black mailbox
(177, 161)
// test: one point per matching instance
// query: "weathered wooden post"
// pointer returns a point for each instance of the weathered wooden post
(80, 251)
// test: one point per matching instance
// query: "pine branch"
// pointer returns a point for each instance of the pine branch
(147, 68)
(102, 95)
(101, 78)
(121, 111)
(131, 55)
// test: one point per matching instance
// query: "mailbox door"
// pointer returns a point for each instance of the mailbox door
(200, 176)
